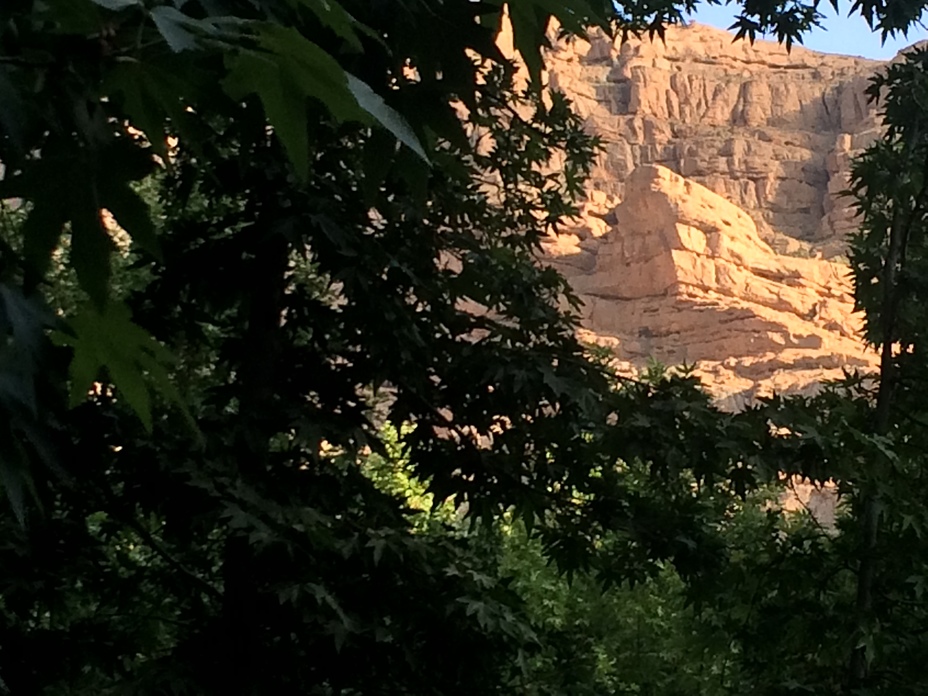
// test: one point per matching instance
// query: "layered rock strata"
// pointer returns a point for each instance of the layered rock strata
(770, 131)
(680, 274)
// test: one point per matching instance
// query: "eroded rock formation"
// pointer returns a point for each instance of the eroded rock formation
(714, 226)
(680, 274)
(770, 131)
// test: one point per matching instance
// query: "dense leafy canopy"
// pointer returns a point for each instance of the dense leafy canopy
(286, 405)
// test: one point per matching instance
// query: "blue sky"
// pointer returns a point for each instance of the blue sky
(850, 36)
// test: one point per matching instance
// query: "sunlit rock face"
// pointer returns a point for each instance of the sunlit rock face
(680, 274)
(714, 225)
(770, 131)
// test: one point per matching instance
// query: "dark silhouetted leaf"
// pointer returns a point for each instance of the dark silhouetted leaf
(91, 247)
(386, 116)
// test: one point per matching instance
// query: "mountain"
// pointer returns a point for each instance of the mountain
(770, 131)
(713, 230)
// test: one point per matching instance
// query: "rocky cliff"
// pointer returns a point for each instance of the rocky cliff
(713, 229)
(770, 131)
(682, 275)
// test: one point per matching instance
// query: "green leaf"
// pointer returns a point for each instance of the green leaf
(91, 247)
(283, 75)
(17, 389)
(130, 385)
(312, 70)
(528, 36)
(26, 317)
(117, 5)
(335, 17)
(73, 16)
(109, 340)
(388, 117)
(378, 545)
(42, 231)
(14, 475)
(285, 108)
(176, 28)
(86, 362)
(291, 68)
(151, 93)
(141, 100)
(574, 15)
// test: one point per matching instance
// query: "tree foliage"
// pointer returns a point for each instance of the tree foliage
(333, 211)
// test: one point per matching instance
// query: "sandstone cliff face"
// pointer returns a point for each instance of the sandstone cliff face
(772, 132)
(715, 208)
(682, 275)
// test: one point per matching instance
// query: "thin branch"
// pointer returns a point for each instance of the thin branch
(129, 520)
(169, 559)
(25, 62)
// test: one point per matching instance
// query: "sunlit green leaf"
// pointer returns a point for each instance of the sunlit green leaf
(109, 341)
